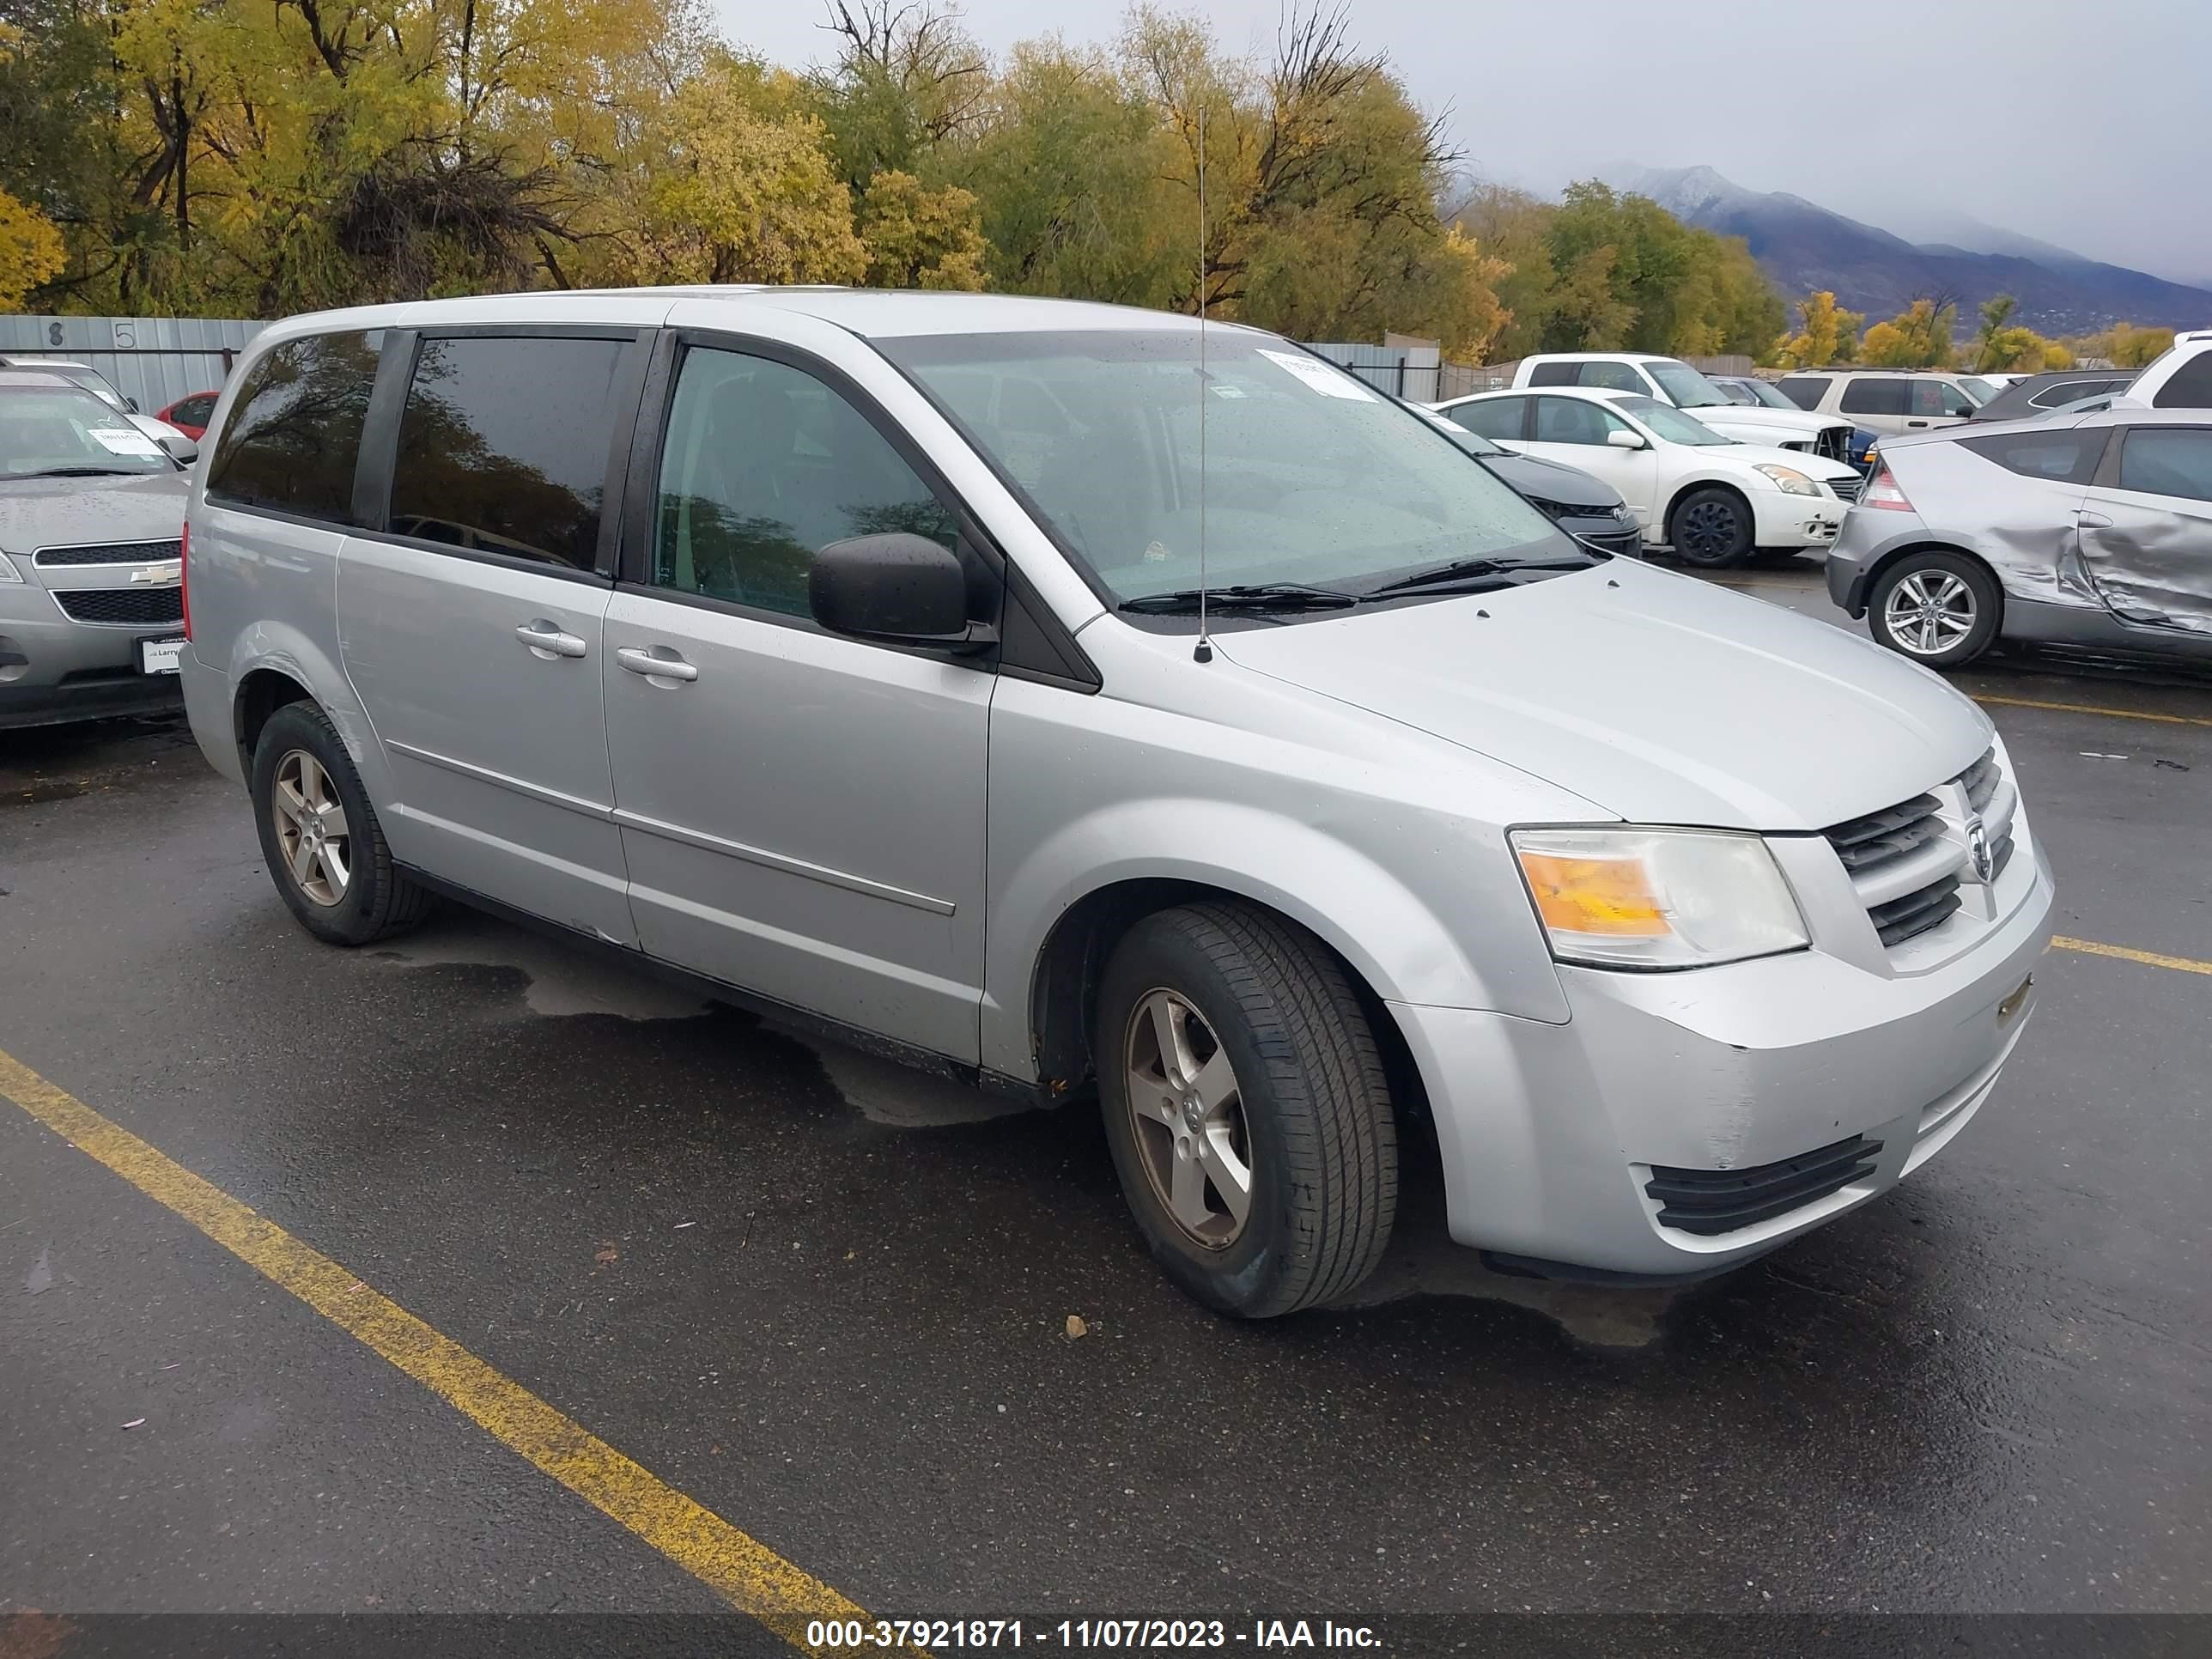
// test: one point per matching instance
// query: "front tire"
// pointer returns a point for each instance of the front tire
(1247, 1109)
(1940, 609)
(324, 848)
(1711, 529)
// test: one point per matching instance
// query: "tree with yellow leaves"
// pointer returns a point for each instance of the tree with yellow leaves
(1919, 336)
(1831, 335)
(919, 237)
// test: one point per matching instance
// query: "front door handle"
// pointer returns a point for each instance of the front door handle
(658, 663)
(1916, 424)
(2093, 521)
(546, 640)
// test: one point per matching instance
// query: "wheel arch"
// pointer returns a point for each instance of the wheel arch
(1063, 989)
(1691, 486)
(260, 693)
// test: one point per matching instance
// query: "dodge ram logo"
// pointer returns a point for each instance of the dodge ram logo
(1978, 849)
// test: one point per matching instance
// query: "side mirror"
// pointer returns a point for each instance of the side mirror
(131, 404)
(900, 589)
(1620, 440)
(179, 449)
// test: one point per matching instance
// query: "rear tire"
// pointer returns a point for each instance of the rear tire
(1940, 609)
(324, 848)
(1711, 528)
(1229, 1040)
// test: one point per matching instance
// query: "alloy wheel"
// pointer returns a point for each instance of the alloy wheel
(311, 828)
(1188, 1116)
(1929, 612)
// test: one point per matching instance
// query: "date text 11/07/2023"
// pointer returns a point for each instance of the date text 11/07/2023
(825, 1634)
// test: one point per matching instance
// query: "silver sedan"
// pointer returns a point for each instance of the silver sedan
(2092, 529)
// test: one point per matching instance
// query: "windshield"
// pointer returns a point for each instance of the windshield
(1688, 388)
(1979, 390)
(1669, 423)
(1310, 475)
(1768, 394)
(45, 429)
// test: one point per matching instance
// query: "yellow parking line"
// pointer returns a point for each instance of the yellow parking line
(2149, 959)
(745, 1572)
(2097, 708)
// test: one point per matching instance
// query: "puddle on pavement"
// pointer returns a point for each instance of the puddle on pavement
(54, 789)
(563, 980)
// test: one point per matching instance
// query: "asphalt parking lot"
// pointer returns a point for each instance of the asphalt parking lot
(831, 1306)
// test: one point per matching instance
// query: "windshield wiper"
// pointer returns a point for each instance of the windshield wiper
(80, 473)
(1496, 573)
(1253, 596)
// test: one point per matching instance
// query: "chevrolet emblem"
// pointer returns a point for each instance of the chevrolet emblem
(169, 573)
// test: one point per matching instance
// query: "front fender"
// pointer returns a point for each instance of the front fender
(1379, 926)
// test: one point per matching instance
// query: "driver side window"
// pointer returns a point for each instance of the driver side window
(763, 466)
(1571, 421)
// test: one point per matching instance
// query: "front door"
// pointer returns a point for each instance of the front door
(2147, 527)
(802, 814)
(1576, 432)
(470, 626)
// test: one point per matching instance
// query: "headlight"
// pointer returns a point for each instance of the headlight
(1657, 898)
(1788, 478)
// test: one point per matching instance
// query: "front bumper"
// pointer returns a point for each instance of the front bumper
(1550, 1132)
(1780, 519)
(53, 669)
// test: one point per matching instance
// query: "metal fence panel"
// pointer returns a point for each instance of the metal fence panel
(1411, 372)
(152, 360)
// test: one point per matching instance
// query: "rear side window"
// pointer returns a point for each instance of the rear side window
(1553, 373)
(194, 412)
(503, 444)
(2168, 461)
(1803, 390)
(1614, 377)
(1494, 417)
(295, 429)
(2191, 386)
(2066, 392)
(1872, 394)
(2060, 457)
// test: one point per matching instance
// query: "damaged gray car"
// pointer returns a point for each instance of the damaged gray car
(2090, 530)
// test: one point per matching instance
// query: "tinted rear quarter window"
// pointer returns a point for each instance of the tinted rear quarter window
(503, 444)
(1803, 390)
(294, 434)
(1874, 394)
(1614, 377)
(2060, 457)
(2174, 460)
(1553, 373)
(1497, 417)
(2191, 386)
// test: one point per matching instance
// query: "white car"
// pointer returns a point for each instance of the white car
(2180, 378)
(1714, 501)
(1671, 381)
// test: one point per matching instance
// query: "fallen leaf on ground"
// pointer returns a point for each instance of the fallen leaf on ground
(1076, 1326)
(605, 1254)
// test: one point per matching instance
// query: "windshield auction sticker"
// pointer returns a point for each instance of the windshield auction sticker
(1320, 376)
(122, 441)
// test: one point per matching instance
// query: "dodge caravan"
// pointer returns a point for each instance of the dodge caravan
(1101, 705)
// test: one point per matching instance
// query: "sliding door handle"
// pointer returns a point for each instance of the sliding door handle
(546, 640)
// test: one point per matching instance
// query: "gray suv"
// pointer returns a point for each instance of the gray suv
(1096, 706)
(91, 514)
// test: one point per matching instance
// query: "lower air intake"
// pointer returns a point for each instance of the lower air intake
(1709, 1201)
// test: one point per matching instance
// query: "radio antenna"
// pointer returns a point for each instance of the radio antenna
(1204, 650)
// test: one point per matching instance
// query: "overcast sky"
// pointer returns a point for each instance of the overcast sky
(2084, 124)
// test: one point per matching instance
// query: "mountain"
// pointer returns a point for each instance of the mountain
(1803, 246)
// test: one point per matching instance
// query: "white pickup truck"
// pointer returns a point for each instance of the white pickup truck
(1671, 381)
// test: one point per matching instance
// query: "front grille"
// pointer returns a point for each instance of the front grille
(1908, 862)
(124, 607)
(109, 553)
(1847, 489)
(1709, 1201)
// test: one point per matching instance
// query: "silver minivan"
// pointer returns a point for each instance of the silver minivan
(1094, 705)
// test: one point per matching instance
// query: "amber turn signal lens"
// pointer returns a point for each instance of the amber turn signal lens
(1604, 897)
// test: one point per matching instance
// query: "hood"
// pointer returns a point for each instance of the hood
(36, 513)
(1782, 423)
(1751, 453)
(1550, 481)
(1656, 697)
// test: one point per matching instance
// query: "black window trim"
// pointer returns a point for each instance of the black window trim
(346, 526)
(379, 439)
(641, 514)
